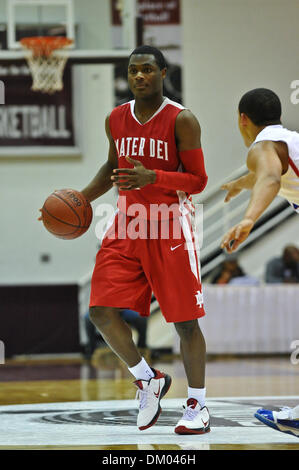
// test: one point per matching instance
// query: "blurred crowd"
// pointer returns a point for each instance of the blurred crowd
(280, 269)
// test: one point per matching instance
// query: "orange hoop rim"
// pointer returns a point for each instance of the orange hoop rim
(45, 45)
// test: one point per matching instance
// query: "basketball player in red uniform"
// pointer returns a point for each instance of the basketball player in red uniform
(156, 161)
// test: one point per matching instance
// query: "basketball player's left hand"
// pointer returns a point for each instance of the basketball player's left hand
(132, 178)
(236, 235)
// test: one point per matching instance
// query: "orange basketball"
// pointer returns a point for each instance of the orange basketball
(67, 214)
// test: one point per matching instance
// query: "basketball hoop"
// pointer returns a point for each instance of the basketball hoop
(45, 65)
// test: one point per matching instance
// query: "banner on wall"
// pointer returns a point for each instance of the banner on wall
(162, 29)
(29, 118)
(153, 12)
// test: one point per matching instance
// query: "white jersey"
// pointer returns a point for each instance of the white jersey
(290, 180)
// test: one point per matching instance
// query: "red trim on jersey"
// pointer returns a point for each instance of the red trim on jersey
(294, 168)
(192, 181)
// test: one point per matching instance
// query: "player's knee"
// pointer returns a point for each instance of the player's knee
(186, 329)
(100, 316)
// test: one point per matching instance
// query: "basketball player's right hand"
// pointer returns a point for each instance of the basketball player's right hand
(232, 190)
(237, 235)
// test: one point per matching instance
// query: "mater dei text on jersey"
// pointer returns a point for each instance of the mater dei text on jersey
(31, 121)
(136, 146)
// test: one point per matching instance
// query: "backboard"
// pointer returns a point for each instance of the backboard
(41, 12)
(88, 24)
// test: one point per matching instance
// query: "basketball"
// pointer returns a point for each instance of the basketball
(66, 214)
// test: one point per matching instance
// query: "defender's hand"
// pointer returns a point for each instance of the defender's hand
(237, 235)
(133, 178)
(232, 190)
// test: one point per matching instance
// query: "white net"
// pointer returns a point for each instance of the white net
(45, 63)
(47, 72)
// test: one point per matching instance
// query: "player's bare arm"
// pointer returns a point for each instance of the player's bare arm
(101, 183)
(234, 187)
(187, 131)
(264, 161)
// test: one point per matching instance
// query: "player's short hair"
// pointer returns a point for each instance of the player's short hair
(159, 57)
(262, 106)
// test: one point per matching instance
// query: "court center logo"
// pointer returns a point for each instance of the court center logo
(2, 353)
(2, 92)
(105, 417)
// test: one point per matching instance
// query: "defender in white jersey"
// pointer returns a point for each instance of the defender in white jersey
(272, 161)
(273, 164)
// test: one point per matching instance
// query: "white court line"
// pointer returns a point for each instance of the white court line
(75, 423)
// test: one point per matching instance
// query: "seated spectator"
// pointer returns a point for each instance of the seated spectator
(226, 272)
(230, 272)
(284, 269)
(131, 317)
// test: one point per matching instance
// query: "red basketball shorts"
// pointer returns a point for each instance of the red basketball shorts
(163, 259)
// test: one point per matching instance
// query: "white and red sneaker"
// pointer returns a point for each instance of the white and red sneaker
(195, 420)
(150, 393)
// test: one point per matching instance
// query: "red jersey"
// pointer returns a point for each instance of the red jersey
(153, 144)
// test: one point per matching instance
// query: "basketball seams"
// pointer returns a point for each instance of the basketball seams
(64, 210)
(69, 235)
(62, 221)
(66, 236)
(85, 211)
(62, 234)
(67, 203)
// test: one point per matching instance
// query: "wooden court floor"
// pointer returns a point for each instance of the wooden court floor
(66, 392)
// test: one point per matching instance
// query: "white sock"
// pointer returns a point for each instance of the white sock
(199, 394)
(142, 370)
